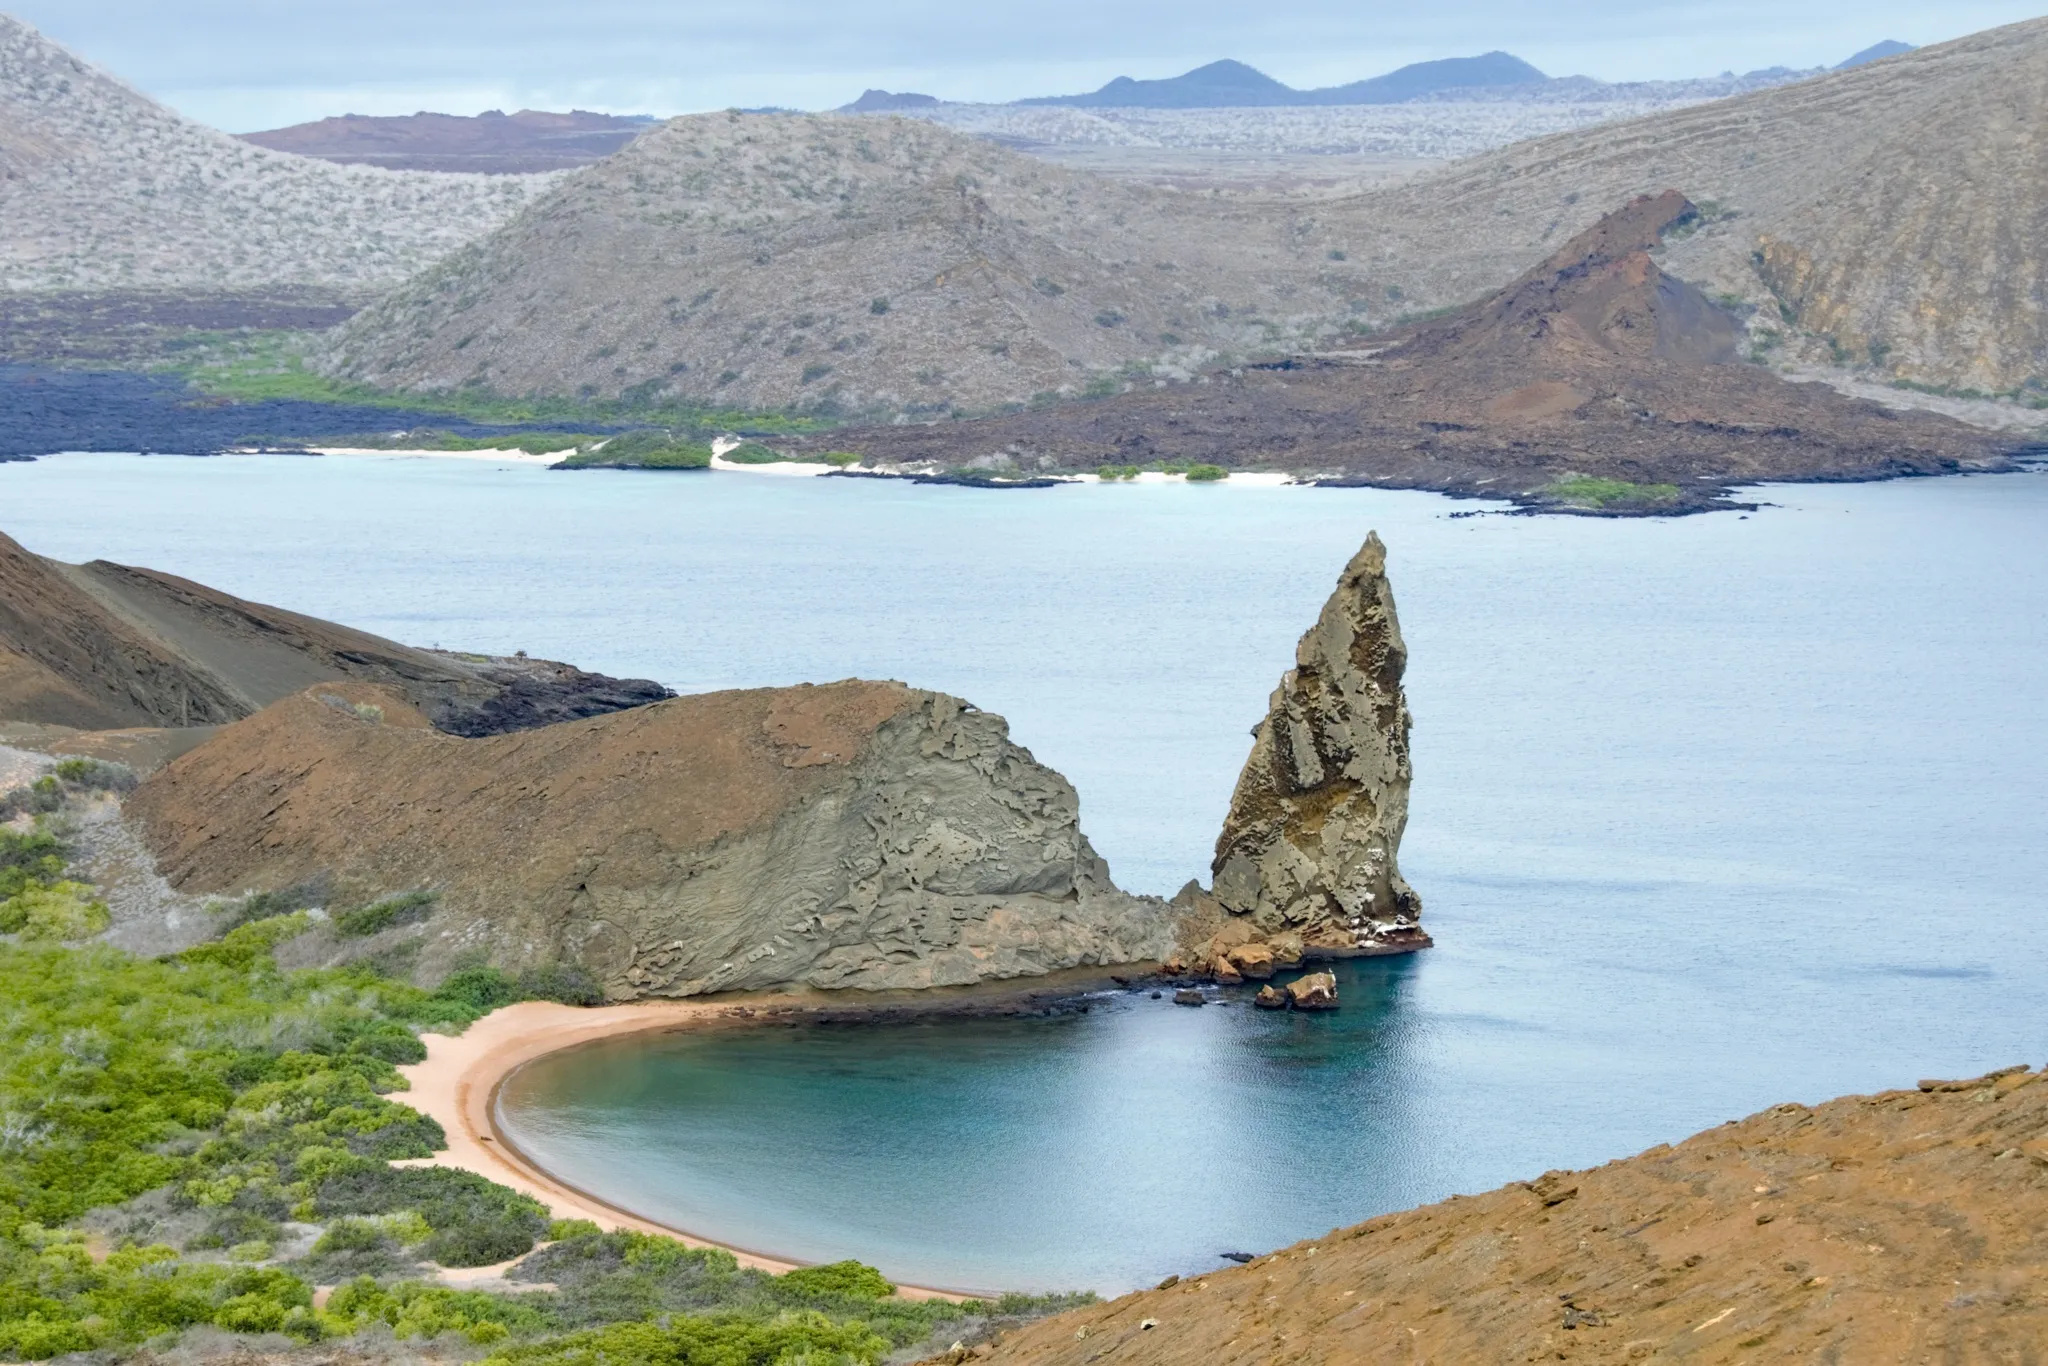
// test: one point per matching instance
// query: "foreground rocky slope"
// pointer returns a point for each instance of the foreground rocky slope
(1900, 1227)
(857, 834)
(102, 646)
(107, 189)
(1597, 363)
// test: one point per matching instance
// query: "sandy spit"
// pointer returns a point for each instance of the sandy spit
(458, 1084)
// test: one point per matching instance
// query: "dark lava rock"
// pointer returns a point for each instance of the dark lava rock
(1188, 996)
(50, 409)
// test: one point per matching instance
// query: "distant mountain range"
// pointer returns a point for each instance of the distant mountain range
(1229, 84)
(1890, 47)
(494, 141)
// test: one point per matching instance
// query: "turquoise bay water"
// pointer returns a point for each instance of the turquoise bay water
(1709, 814)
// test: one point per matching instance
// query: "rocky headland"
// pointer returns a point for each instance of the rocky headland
(444, 810)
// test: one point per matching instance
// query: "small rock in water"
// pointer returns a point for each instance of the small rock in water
(1317, 991)
(1270, 998)
(1187, 996)
(1155, 995)
(1239, 1257)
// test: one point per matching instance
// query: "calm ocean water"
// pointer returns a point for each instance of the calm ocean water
(1708, 814)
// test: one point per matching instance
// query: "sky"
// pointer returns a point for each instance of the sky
(249, 64)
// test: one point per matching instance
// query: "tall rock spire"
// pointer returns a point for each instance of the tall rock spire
(1308, 853)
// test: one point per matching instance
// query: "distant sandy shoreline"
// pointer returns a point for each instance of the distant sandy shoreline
(457, 1085)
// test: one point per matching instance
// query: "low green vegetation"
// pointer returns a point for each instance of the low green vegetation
(1206, 474)
(754, 453)
(1110, 474)
(272, 365)
(436, 439)
(202, 1139)
(378, 916)
(646, 450)
(1608, 495)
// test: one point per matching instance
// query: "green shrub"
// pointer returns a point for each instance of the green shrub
(1206, 474)
(58, 912)
(404, 909)
(1111, 473)
(645, 450)
(850, 1279)
(1585, 491)
(809, 1339)
(839, 458)
(96, 775)
(753, 453)
(474, 1221)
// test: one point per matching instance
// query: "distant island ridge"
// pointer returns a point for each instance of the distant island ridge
(1231, 84)
(537, 140)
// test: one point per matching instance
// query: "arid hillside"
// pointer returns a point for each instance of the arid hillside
(1898, 208)
(1595, 364)
(102, 646)
(1901, 1227)
(868, 262)
(876, 263)
(108, 190)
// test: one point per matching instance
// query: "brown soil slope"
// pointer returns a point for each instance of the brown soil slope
(856, 834)
(100, 646)
(1904, 1227)
(493, 142)
(1595, 362)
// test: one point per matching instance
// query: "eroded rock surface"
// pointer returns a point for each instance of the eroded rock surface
(1306, 864)
(851, 835)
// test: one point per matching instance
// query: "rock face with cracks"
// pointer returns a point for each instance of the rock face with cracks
(850, 835)
(1306, 863)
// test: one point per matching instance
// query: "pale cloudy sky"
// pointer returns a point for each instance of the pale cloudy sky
(248, 64)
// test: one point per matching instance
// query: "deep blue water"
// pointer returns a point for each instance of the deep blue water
(1709, 814)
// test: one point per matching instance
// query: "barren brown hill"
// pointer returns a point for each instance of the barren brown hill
(1901, 1227)
(102, 646)
(857, 834)
(1596, 363)
(493, 142)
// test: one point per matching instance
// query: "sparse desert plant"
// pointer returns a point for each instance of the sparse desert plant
(405, 909)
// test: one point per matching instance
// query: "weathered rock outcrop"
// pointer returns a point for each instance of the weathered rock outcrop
(850, 835)
(1306, 864)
